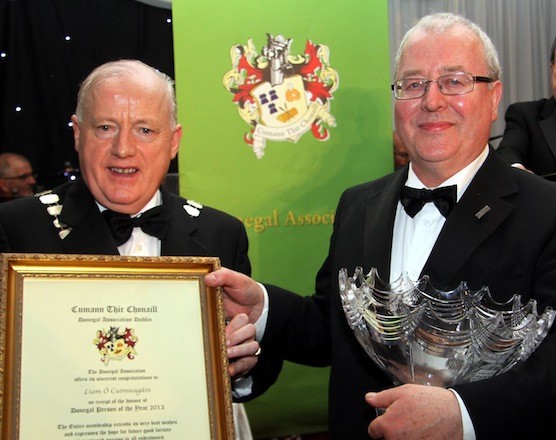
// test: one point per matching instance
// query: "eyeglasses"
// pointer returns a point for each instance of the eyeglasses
(458, 83)
(21, 177)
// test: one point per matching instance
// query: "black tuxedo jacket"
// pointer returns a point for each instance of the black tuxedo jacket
(26, 226)
(530, 135)
(511, 249)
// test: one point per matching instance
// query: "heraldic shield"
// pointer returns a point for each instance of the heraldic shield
(280, 95)
(282, 104)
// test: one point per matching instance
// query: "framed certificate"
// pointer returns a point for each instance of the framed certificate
(112, 348)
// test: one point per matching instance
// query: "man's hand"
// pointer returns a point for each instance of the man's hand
(241, 294)
(241, 346)
(416, 412)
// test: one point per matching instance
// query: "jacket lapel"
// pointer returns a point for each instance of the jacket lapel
(81, 213)
(475, 218)
(548, 124)
(181, 238)
(379, 223)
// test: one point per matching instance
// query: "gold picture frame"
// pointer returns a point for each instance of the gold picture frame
(98, 346)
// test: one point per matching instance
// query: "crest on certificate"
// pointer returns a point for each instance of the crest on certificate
(116, 344)
(280, 95)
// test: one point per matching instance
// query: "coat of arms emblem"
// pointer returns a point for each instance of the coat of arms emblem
(115, 344)
(282, 96)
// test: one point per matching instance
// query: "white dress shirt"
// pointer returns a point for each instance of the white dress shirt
(141, 244)
(414, 238)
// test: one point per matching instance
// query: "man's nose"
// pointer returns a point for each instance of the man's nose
(124, 145)
(433, 97)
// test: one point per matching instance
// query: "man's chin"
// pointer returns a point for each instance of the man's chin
(125, 205)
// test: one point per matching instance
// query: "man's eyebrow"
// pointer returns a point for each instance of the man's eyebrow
(414, 73)
(450, 69)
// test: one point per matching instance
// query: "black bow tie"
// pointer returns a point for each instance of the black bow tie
(413, 200)
(155, 222)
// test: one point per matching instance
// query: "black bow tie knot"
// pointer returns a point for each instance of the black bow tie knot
(413, 200)
(155, 222)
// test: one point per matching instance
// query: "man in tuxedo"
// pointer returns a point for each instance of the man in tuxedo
(126, 133)
(529, 140)
(497, 228)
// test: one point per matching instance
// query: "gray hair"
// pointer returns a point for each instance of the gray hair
(123, 68)
(442, 21)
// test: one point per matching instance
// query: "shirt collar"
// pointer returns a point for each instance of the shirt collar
(461, 179)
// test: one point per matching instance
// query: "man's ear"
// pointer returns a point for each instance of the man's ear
(76, 130)
(176, 139)
(496, 97)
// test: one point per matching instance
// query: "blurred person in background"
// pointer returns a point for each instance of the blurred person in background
(16, 177)
(401, 158)
(529, 140)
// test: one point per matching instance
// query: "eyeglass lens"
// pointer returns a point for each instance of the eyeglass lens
(452, 84)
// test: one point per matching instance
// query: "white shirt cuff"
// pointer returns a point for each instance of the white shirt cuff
(242, 386)
(468, 429)
(260, 325)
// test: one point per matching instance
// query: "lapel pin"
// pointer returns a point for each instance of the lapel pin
(193, 208)
(50, 200)
(482, 212)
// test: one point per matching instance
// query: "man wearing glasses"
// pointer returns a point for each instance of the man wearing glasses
(487, 224)
(16, 177)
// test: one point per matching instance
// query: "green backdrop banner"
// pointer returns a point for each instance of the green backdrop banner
(284, 105)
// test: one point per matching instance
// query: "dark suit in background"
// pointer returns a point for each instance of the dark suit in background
(503, 250)
(530, 136)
